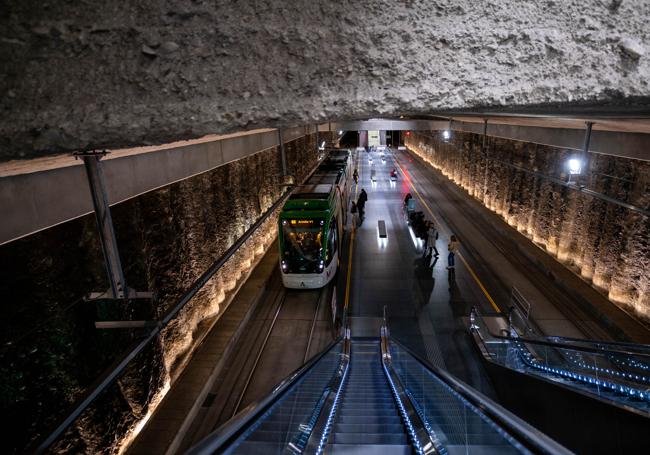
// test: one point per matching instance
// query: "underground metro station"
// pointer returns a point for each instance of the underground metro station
(342, 228)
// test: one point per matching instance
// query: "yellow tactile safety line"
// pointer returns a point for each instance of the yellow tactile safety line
(354, 228)
(440, 225)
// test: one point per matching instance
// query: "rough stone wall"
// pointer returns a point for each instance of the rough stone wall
(606, 244)
(50, 349)
(105, 73)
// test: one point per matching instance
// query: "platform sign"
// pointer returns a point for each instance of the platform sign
(307, 222)
(373, 138)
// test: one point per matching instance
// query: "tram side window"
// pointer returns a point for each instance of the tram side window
(332, 241)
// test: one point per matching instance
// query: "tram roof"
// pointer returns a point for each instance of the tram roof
(324, 178)
(313, 191)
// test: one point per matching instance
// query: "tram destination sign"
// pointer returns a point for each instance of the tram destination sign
(304, 222)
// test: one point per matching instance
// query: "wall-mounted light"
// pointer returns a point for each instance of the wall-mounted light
(446, 135)
(575, 166)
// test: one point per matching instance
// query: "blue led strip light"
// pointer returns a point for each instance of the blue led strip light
(578, 360)
(434, 437)
(402, 410)
(631, 392)
(632, 363)
(511, 440)
(330, 417)
(305, 429)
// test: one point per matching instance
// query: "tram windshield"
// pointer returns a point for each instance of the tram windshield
(303, 245)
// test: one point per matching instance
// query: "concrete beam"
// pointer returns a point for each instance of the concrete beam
(625, 145)
(38, 195)
(609, 137)
(389, 124)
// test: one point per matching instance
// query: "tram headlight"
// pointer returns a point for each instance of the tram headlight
(285, 266)
(321, 265)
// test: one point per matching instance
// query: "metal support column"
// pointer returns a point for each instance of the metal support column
(584, 159)
(283, 154)
(118, 288)
(485, 154)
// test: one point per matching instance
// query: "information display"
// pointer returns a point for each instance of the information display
(308, 222)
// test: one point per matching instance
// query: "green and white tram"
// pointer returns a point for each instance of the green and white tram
(311, 225)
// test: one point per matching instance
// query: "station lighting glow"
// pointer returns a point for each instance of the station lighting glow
(575, 166)
(381, 241)
(446, 134)
(340, 132)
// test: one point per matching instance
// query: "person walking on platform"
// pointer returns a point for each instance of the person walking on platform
(355, 176)
(421, 232)
(361, 203)
(407, 198)
(432, 235)
(452, 247)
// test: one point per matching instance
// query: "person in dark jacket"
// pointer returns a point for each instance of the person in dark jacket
(361, 203)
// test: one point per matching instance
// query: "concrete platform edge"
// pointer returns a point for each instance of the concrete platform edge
(187, 422)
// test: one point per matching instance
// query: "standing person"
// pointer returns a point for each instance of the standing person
(452, 247)
(361, 203)
(422, 229)
(355, 176)
(432, 234)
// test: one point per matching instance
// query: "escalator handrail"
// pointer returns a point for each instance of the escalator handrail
(569, 340)
(639, 346)
(525, 434)
(320, 430)
(424, 440)
(233, 428)
(556, 345)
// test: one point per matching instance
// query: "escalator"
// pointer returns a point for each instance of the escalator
(368, 415)
(373, 396)
(605, 386)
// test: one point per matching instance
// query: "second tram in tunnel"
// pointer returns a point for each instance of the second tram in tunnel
(311, 224)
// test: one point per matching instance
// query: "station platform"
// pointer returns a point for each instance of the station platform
(562, 304)
(426, 305)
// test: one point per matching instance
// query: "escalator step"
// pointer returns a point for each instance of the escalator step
(369, 438)
(481, 450)
(353, 449)
(353, 419)
(369, 427)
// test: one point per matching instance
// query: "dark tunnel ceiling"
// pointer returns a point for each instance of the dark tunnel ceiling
(107, 74)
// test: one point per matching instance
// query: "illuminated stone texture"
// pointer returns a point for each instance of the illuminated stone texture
(606, 244)
(167, 239)
(119, 73)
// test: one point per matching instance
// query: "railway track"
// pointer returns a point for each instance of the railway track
(283, 333)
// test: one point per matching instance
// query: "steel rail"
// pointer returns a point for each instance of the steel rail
(259, 353)
(313, 323)
(119, 366)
